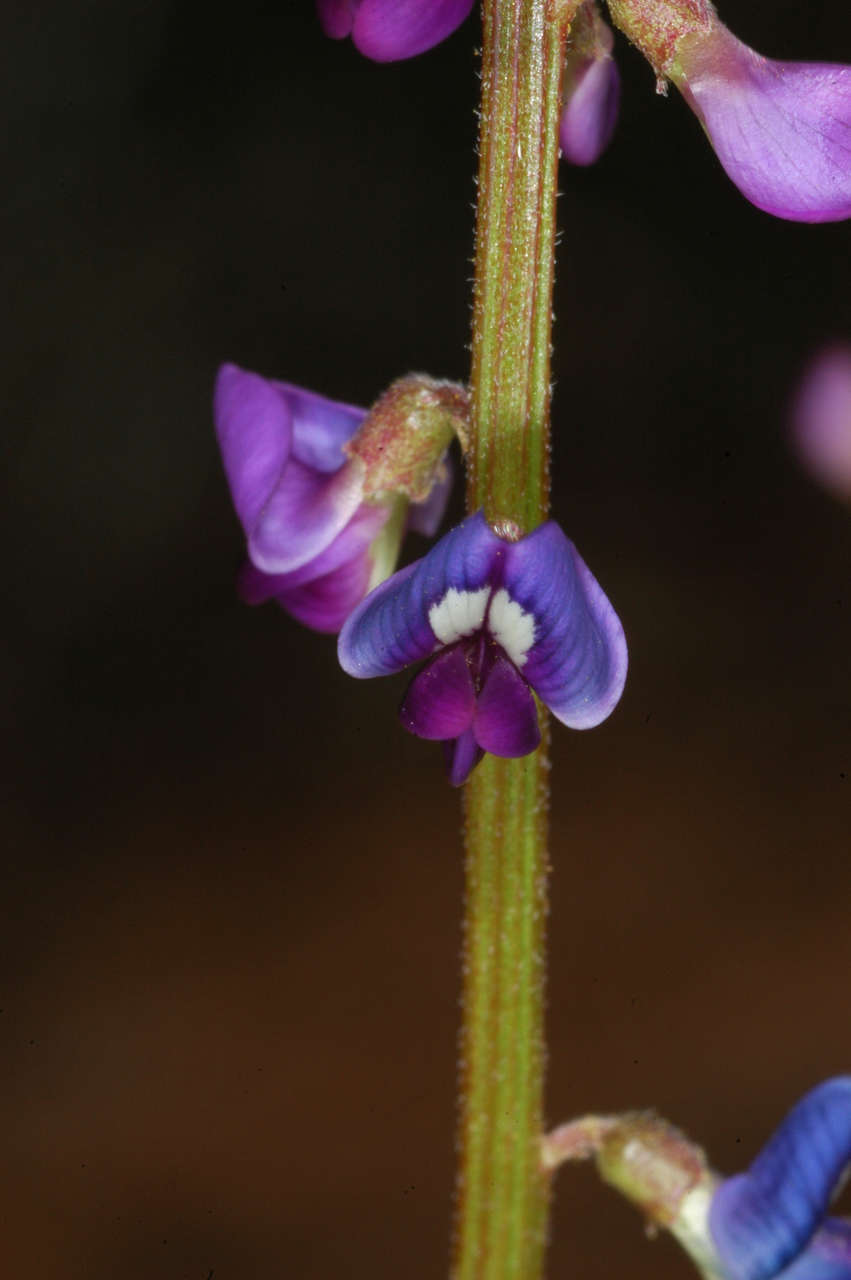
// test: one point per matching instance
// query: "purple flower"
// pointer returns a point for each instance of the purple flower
(821, 419)
(496, 619)
(772, 1221)
(388, 30)
(782, 130)
(316, 541)
(592, 89)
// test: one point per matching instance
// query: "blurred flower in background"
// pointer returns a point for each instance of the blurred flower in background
(821, 419)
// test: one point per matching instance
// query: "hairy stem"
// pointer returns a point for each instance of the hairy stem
(502, 1189)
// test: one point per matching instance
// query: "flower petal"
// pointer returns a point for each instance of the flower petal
(254, 426)
(821, 419)
(782, 130)
(337, 17)
(320, 426)
(827, 1256)
(506, 722)
(391, 628)
(292, 487)
(590, 112)
(440, 702)
(461, 757)
(762, 1219)
(303, 515)
(577, 660)
(323, 604)
(387, 30)
(255, 586)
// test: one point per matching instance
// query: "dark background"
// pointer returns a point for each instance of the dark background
(232, 884)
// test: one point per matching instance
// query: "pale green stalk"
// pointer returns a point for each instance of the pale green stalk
(502, 1190)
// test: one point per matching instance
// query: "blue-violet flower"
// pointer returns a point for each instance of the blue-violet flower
(497, 619)
(388, 30)
(772, 1220)
(769, 1222)
(591, 88)
(821, 419)
(318, 534)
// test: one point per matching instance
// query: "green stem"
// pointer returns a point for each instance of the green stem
(503, 1193)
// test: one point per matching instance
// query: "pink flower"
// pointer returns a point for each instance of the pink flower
(782, 130)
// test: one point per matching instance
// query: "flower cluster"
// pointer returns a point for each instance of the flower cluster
(325, 492)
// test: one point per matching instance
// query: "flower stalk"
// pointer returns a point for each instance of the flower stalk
(502, 1189)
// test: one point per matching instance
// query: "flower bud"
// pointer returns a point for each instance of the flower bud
(591, 88)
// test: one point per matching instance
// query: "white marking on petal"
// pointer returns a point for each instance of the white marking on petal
(459, 613)
(511, 627)
(691, 1227)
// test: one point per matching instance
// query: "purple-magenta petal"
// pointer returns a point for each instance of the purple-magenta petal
(324, 603)
(388, 30)
(761, 1220)
(391, 628)
(337, 17)
(254, 427)
(821, 419)
(577, 660)
(461, 757)
(293, 489)
(506, 722)
(590, 112)
(321, 600)
(320, 426)
(782, 130)
(425, 517)
(255, 586)
(827, 1256)
(440, 702)
(303, 515)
